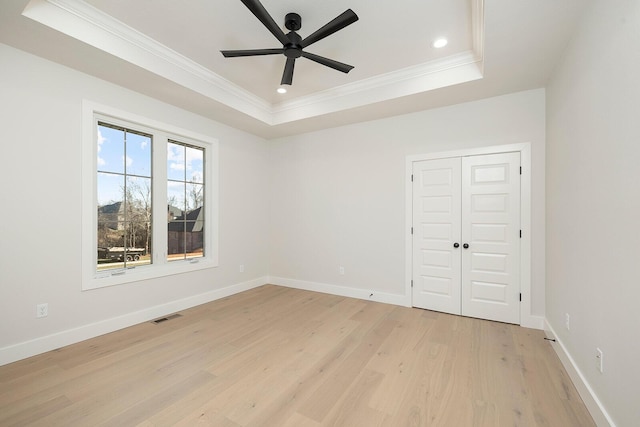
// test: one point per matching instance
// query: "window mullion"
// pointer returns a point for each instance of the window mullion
(125, 200)
(159, 189)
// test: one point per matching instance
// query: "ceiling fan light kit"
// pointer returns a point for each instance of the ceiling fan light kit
(292, 43)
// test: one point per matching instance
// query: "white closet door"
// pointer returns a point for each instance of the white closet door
(436, 227)
(491, 229)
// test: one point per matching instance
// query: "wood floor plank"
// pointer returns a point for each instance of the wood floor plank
(35, 412)
(297, 420)
(398, 356)
(147, 407)
(334, 386)
(354, 409)
(275, 356)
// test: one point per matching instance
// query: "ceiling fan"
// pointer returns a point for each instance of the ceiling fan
(292, 43)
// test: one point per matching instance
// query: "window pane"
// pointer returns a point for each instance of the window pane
(110, 229)
(176, 233)
(176, 196)
(175, 161)
(110, 188)
(111, 236)
(195, 196)
(138, 216)
(138, 159)
(110, 149)
(193, 240)
(139, 254)
(197, 239)
(110, 215)
(194, 164)
(138, 198)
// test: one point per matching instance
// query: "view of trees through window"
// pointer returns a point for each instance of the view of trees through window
(124, 198)
(124, 183)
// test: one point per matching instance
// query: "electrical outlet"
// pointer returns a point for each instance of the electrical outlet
(341, 270)
(599, 361)
(241, 268)
(42, 310)
(566, 321)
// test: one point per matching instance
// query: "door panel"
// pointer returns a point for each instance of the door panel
(436, 223)
(489, 203)
(489, 233)
(488, 263)
(488, 292)
(491, 227)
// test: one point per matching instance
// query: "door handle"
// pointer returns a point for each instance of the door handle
(466, 246)
(456, 245)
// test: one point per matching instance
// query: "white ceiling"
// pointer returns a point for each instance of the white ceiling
(169, 49)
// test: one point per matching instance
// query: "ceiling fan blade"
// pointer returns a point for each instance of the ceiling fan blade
(250, 52)
(348, 17)
(340, 66)
(287, 75)
(261, 13)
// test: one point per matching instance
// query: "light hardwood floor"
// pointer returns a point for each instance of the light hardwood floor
(274, 356)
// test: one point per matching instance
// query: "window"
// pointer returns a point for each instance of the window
(185, 192)
(149, 196)
(124, 208)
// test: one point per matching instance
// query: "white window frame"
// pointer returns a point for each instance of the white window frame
(162, 132)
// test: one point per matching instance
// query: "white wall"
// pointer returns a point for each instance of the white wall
(40, 197)
(338, 195)
(593, 204)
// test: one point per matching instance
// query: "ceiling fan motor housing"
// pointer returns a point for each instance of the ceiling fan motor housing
(292, 21)
(293, 48)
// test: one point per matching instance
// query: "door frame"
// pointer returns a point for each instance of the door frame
(526, 319)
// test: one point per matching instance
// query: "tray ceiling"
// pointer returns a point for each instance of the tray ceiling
(170, 50)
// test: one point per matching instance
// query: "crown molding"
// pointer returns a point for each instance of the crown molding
(455, 69)
(90, 25)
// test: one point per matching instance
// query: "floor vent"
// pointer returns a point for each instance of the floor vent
(164, 319)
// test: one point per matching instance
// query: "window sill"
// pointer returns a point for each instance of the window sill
(123, 276)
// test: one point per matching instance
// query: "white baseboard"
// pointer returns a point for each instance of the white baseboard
(589, 397)
(533, 322)
(344, 291)
(40, 345)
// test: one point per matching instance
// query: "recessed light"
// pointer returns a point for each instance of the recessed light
(441, 42)
(281, 90)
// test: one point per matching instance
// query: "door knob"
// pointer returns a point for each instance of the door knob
(456, 245)
(466, 246)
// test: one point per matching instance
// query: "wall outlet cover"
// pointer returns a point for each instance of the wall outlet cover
(42, 310)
